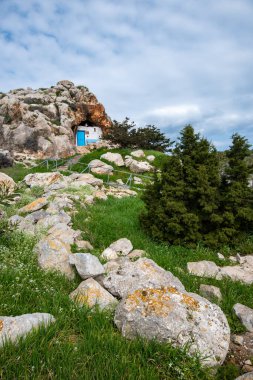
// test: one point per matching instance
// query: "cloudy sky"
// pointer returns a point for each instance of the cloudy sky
(165, 62)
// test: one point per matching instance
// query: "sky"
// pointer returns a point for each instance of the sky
(162, 62)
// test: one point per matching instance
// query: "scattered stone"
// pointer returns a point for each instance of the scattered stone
(170, 315)
(6, 160)
(122, 247)
(15, 220)
(115, 158)
(248, 362)
(210, 292)
(120, 182)
(136, 254)
(89, 199)
(150, 158)
(99, 167)
(138, 181)
(12, 328)
(238, 339)
(233, 259)
(241, 273)
(84, 244)
(53, 254)
(7, 185)
(120, 192)
(220, 256)
(86, 265)
(43, 179)
(140, 274)
(91, 293)
(138, 153)
(109, 254)
(34, 206)
(245, 314)
(99, 194)
(203, 268)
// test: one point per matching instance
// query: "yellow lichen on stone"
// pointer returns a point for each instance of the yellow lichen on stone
(33, 204)
(89, 297)
(190, 301)
(1, 325)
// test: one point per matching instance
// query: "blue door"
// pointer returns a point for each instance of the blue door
(80, 138)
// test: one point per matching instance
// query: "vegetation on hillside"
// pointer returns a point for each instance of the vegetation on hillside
(194, 201)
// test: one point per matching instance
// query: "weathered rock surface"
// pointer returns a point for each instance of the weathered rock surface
(138, 166)
(115, 158)
(6, 160)
(246, 376)
(87, 265)
(77, 180)
(12, 328)
(43, 122)
(65, 233)
(169, 315)
(136, 254)
(43, 179)
(203, 268)
(122, 246)
(141, 274)
(245, 314)
(35, 205)
(84, 244)
(138, 153)
(150, 158)
(53, 254)
(100, 167)
(91, 293)
(7, 185)
(210, 292)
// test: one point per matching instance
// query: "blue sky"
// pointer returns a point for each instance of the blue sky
(165, 62)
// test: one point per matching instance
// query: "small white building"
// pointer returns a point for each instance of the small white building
(86, 134)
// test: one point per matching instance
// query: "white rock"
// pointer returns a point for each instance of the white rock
(53, 254)
(138, 166)
(246, 376)
(7, 185)
(35, 205)
(84, 244)
(138, 181)
(210, 292)
(136, 253)
(115, 158)
(91, 293)
(233, 259)
(43, 179)
(143, 273)
(12, 328)
(109, 254)
(52, 220)
(150, 158)
(122, 247)
(87, 265)
(83, 179)
(138, 153)
(220, 256)
(99, 167)
(63, 232)
(203, 268)
(245, 314)
(177, 317)
(238, 339)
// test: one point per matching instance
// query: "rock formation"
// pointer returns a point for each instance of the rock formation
(43, 122)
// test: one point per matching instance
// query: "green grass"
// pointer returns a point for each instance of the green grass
(82, 344)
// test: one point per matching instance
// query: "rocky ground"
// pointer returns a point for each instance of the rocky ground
(147, 301)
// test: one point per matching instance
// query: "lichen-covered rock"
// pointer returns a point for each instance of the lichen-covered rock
(43, 122)
(122, 246)
(52, 220)
(246, 376)
(53, 254)
(63, 232)
(91, 293)
(210, 292)
(138, 166)
(115, 158)
(77, 180)
(100, 167)
(34, 206)
(87, 265)
(245, 314)
(177, 317)
(7, 185)
(13, 328)
(43, 179)
(141, 274)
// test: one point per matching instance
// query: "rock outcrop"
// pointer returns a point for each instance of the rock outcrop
(43, 122)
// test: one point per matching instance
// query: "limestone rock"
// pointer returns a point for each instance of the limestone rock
(52, 220)
(43, 179)
(53, 254)
(63, 232)
(91, 293)
(99, 194)
(210, 292)
(122, 246)
(43, 122)
(138, 153)
(150, 158)
(246, 376)
(7, 185)
(12, 328)
(169, 315)
(141, 274)
(109, 254)
(136, 254)
(87, 265)
(114, 158)
(138, 181)
(84, 179)
(6, 159)
(245, 314)
(34, 206)
(99, 167)
(84, 244)
(138, 166)
(203, 268)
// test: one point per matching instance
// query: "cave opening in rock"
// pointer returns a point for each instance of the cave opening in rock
(86, 133)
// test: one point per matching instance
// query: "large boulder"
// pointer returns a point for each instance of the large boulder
(13, 328)
(43, 179)
(100, 167)
(138, 153)
(141, 274)
(138, 166)
(91, 293)
(245, 314)
(43, 122)
(77, 180)
(7, 185)
(172, 316)
(87, 265)
(6, 160)
(121, 247)
(114, 158)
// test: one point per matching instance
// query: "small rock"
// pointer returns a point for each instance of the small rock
(115, 158)
(84, 244)
(99, 194)
(91, 293)
(138, 181)
(6, 160)
(43, 179)
(12, 328)
(248, 362)
(220, 256)
(34, 206)
(138, 153)
(203, 268)
(7, 185)
(87, 265)
(109, 254)
(246, 376)
(233, 259)
(136, 254)
(210, 292)
(99, 167)
(151, 158)
(245, 314)
(122, 246)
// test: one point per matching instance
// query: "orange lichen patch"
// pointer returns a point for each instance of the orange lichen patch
(33, 205)
(88, 297)
(57, 245)
(190, 301)
(1, 325)
(54, 178)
